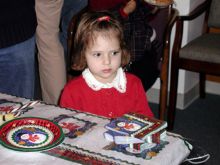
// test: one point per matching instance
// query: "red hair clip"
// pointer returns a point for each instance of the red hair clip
(103, 18)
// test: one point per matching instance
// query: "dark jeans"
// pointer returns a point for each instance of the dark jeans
(17, 69)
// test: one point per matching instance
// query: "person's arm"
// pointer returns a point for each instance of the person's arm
(129, 7)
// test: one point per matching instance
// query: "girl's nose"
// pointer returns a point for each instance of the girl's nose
(107, 60)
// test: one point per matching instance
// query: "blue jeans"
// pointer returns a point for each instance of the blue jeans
(17, 69)
(69, 9)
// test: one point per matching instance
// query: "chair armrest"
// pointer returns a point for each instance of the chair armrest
(204, 7)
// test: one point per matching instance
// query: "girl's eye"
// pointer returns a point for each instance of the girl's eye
(115, 53)
(97, 54)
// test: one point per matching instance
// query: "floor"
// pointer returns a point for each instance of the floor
(200, 125)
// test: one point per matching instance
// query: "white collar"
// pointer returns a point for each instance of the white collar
(118, 83)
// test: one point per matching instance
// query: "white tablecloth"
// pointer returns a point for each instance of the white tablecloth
(90, 144)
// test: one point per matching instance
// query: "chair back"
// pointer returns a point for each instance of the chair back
(214, 14)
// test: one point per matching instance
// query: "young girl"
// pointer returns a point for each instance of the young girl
(103, 88)
(141, 38)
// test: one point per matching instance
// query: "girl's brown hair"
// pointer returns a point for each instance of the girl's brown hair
(90, 24)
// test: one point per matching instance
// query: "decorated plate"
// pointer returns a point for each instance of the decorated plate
(30, 134)
(160, 3)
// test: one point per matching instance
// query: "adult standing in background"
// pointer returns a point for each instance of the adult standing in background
(17, 47)
(50, 51)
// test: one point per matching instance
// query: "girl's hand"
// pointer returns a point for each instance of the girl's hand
(129, 7)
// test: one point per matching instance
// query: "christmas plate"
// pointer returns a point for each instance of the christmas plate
(30, 134)
(160, 3)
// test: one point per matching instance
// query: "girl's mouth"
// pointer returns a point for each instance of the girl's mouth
(106, 70)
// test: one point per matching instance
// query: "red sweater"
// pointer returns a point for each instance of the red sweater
(98, 5)
(106, 102)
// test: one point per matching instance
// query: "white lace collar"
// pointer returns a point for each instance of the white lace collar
(118, 83)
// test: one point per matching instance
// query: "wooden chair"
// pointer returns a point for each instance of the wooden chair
(201, 55)
(70, 38)
(168, 22)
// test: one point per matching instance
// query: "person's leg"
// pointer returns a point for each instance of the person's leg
(17, 63)
(69, 9)
(50, 51)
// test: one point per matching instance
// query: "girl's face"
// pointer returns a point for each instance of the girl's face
(103, 57)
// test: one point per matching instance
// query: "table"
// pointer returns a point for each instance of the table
(88, 145)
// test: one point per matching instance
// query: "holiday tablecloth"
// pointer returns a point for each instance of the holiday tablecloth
(84, 142)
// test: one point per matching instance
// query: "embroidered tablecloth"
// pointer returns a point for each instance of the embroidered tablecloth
(84, 142)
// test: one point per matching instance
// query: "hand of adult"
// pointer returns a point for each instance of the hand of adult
(130, 7)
